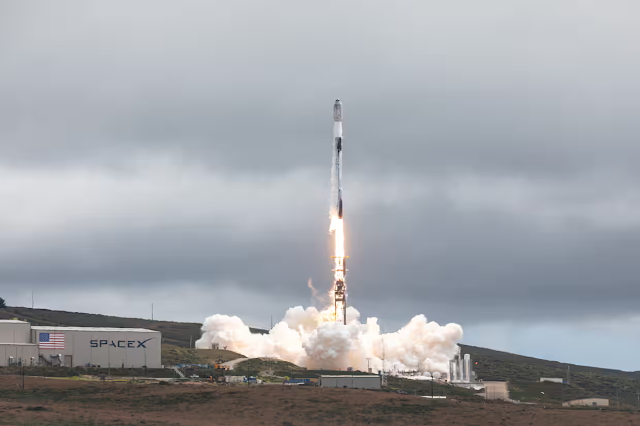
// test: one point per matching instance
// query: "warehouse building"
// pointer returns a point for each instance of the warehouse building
(15, 343)
(20, 343)
(352, 382)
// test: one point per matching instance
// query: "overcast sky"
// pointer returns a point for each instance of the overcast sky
(178, 153)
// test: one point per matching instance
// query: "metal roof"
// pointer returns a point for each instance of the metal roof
(354, 376)
(13, 322)
(17, 344)
(132, 330)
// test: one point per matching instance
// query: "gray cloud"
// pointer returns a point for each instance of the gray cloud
(490, 166)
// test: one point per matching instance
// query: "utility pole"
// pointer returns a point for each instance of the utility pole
(31, 299)
(568, 374)
(431, 374)
(384, 365)
(368, 366)
(152, 312)
(624, 388)
(271, 322)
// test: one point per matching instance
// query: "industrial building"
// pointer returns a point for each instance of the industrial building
(496, 390)
(460, 370)
(552, 379)
(352, 382)
(15, 343)
(587, 402)
(20, 343)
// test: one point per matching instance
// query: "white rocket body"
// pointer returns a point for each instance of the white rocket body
(337, 141)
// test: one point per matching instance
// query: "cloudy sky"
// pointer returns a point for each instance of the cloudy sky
(179, 154)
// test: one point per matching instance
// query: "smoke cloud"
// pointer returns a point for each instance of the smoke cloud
(307, 338)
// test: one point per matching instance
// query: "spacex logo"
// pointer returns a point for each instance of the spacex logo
(133, 344)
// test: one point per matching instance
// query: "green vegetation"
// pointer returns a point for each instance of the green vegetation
(497, 365)
(3, 304)
(544, 392)
(172, 355)
(259, 364)
(423, 387)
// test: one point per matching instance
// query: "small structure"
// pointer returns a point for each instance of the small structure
(587, 402)
(235, 379)
(496, 390)
(552, 379)
(351, 382)
(300, 381)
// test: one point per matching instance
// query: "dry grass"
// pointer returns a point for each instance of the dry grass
(58, 402)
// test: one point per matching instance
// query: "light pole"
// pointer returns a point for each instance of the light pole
(431, 375)
(624, 388)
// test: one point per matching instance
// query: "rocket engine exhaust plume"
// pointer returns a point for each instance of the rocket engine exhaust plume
(304, 338)
(334, 337)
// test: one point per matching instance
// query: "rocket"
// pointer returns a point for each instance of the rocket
(337, 138)
(340, 271)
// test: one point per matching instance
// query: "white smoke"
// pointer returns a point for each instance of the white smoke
(305, 338)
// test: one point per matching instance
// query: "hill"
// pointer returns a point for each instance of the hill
(489, 364)
(492, 363)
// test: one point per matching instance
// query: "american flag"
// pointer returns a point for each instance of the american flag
(51, 340)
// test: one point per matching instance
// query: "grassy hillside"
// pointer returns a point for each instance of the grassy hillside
(524, 374)
(496, 364)
(172, 355)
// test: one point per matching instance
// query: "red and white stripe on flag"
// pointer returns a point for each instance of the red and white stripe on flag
(51, 340)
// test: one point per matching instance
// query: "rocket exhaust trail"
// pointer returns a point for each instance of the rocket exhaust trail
(340, 269)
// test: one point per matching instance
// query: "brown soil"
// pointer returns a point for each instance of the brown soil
(71, 402)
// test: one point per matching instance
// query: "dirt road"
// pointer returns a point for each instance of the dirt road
(231, 364)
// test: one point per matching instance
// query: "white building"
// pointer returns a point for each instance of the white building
(496, 390)
(552, 379)
(78, 346)
(587, 402)
(352, 382)
(15, 343)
